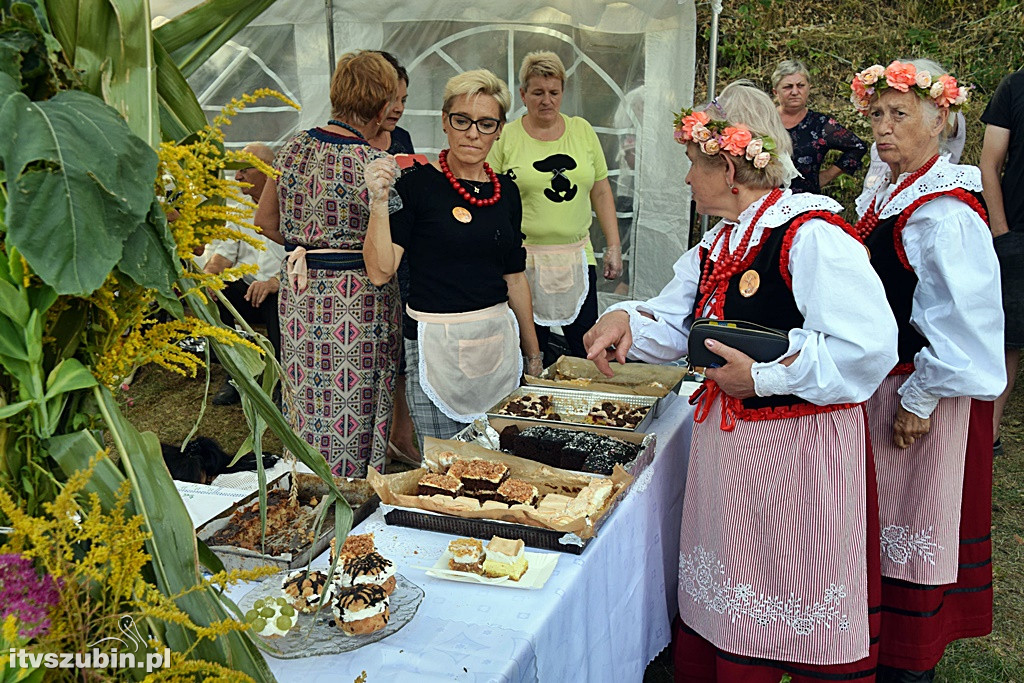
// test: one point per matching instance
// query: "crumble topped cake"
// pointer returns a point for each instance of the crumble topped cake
(443, 484)
(303, 590)
(445, 460)
(517, 491)
(538, 407)
(479, 475)
(467, 555)
(361, 609)
(610, 414)
(504, 557)
(369, 569)
(354, 546)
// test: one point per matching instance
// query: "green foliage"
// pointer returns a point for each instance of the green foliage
(978, 42)
(73, 203)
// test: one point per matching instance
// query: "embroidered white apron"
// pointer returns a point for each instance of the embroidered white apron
(468, 361)
(559, 281)
(920, 488)
(773, 548)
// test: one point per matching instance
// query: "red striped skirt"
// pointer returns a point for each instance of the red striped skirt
(697, 660)
(919, 621)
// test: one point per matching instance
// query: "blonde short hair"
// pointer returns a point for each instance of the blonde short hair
(477, 82)
(742, 102)
(542, 64)
(362, 85)
(788, 67)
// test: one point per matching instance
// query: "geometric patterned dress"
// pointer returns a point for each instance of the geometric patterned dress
(340, 337)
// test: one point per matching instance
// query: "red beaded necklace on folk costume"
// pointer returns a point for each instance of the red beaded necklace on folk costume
(459, 212)
(869, 221)
(715, 273)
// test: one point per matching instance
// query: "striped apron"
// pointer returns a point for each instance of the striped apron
(919, 488)
(773, 546)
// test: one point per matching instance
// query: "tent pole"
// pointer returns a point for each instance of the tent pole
(329, 7)
(716, 9)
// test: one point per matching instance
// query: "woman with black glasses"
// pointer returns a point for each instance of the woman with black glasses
(460, 226)
(559, 166)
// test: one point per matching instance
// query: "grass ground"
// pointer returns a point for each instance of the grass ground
(168, 405)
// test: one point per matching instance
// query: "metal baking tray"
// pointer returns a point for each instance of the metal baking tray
(574, 405)
(597, 383)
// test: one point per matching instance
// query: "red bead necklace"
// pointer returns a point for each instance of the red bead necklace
(442, 161)
(869, 221)
(729, 263)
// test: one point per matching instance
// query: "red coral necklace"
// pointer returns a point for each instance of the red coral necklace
(869, 221)
(442, 161)
(729, 262)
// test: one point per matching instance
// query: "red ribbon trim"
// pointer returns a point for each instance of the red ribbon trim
(732, 408)
(787, 239)
(901, 222)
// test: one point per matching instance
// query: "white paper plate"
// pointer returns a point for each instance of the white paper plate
(539, 569)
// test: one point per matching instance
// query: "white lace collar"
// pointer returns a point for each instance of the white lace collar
(941, 177)
(783, 211)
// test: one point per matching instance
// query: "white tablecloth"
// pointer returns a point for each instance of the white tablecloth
(602, 616)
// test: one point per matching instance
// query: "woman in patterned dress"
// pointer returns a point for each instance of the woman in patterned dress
(778, 561)
(813, 133)
(931, 419)
(339, 331)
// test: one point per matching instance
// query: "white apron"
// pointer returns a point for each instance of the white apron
(773, 545)
(920, 488)
(559, 281)
(468, 361)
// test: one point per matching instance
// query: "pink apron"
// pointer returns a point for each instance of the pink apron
(773, 558)
(919, 488)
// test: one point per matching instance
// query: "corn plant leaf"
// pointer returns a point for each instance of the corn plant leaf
(193, 36)
(180, 113)
(110, 43)
(68, 375)
(172, 548)
(13, 303)
(79, 183)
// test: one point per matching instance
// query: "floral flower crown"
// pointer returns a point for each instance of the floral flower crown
(714, 137)
(943, 90)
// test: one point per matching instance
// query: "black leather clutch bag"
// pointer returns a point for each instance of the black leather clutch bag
(763, 344)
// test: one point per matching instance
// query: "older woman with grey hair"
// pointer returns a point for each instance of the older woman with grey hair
(931, 420)
(778, 549)
(813, 133)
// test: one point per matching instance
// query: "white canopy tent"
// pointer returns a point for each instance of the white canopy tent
(630, 65)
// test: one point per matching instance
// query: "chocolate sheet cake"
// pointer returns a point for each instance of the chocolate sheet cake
(568, 449)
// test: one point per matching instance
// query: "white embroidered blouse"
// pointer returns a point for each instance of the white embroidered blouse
(848, 342)
(957, 304)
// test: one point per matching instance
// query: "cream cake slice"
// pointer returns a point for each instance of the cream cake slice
(467, 555)
(505, 557)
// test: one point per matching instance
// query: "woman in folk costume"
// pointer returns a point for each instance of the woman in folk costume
(931, 420)
(778, 563)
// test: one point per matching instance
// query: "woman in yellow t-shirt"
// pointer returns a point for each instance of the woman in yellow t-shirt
(560, 169)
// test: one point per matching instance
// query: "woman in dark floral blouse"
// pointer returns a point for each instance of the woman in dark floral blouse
(813, 134)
